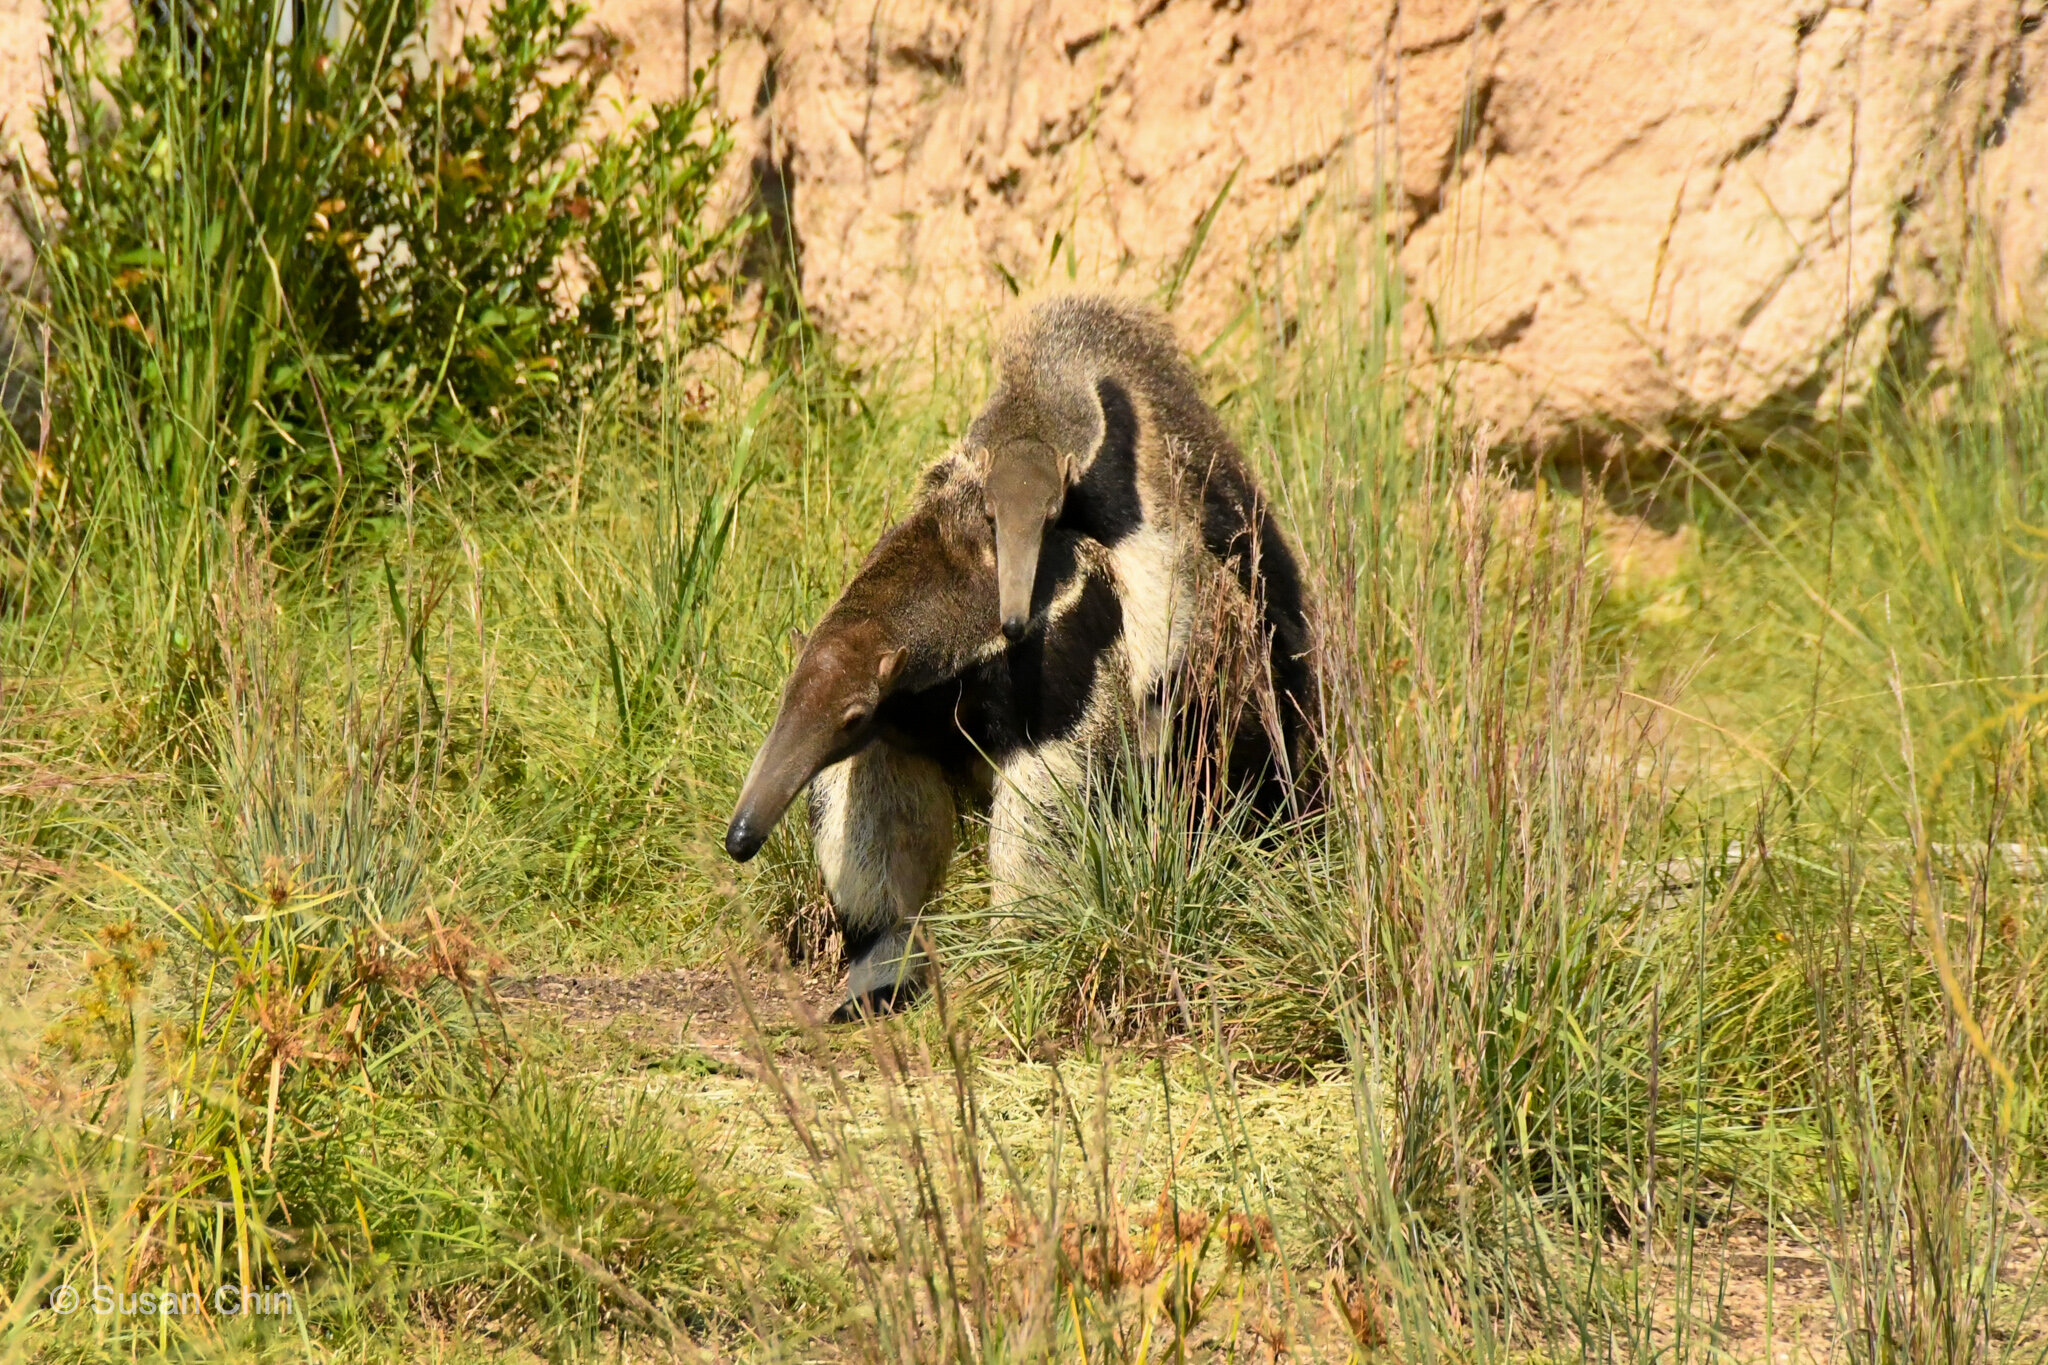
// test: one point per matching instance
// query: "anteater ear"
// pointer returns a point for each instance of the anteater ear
(891, 666)
(797, 640)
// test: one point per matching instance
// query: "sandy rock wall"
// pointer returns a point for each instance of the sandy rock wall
(1606, 217)
(22, 38)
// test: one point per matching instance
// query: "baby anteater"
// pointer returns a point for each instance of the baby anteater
(1097, 427)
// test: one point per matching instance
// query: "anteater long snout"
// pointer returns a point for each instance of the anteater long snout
(1017, 544)
(745, 835)
(1026, 485)
(785, 766)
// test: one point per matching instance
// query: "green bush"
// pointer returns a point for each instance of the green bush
(275, 249)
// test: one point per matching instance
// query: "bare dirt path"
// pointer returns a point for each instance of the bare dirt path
(704, 1007)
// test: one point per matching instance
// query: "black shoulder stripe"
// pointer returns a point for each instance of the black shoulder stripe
(1226, 526)
(1054, 672)
(1104, 504)
(1057, 564)
(1038, 690)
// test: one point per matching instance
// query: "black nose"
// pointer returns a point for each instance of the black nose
(741, 842)
(1013, 628)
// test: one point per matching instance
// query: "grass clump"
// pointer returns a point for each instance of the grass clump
(587, 1217)
(1153, 908)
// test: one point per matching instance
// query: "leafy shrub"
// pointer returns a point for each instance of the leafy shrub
(457, 226)
(275, 249)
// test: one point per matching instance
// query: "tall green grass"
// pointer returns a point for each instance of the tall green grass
(1621, 941)
(290, 266)
(282, 1068)
(251, 662)
(1640, 920)
(1639, 926)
